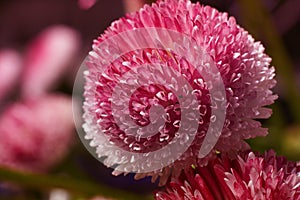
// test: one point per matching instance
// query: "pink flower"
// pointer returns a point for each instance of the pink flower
(10, 68)
(249, 177)
(36, 134)
(47, 58)
(242, 63)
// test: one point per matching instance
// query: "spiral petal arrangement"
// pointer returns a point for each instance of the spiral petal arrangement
(161, 78)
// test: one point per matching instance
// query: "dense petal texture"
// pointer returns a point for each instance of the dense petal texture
(242, 63)
(249, 177)
(47, 58)
(36, 134)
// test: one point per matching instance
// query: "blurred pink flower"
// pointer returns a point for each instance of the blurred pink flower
(241, 61)
(36, 134)
(86, 4)
(10, 68)
(47, 58)
(132, 5)
(249, 177)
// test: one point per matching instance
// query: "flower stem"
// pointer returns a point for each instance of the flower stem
(85, 188)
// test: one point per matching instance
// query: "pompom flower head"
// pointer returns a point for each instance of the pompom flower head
(121, 97)
(249, 176)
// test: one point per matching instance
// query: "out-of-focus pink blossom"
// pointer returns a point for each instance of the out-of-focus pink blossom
(132, 5)
(10, 68)
(249, 177)
(36, 134)
(86, 4)
(47, 58)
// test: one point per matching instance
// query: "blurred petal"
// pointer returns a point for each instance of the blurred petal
(10, 68)
(47, 59)
(132, 5)
(86, 4)
(36, 134)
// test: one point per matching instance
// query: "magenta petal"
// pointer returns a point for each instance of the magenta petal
(250, 176)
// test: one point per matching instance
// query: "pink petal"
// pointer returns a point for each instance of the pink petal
(10, 68)
(262, 179)
(86, 4)
(47, 58)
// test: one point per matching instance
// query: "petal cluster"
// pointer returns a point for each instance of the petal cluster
(242, 63)
(250, 176)
(36, 128)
